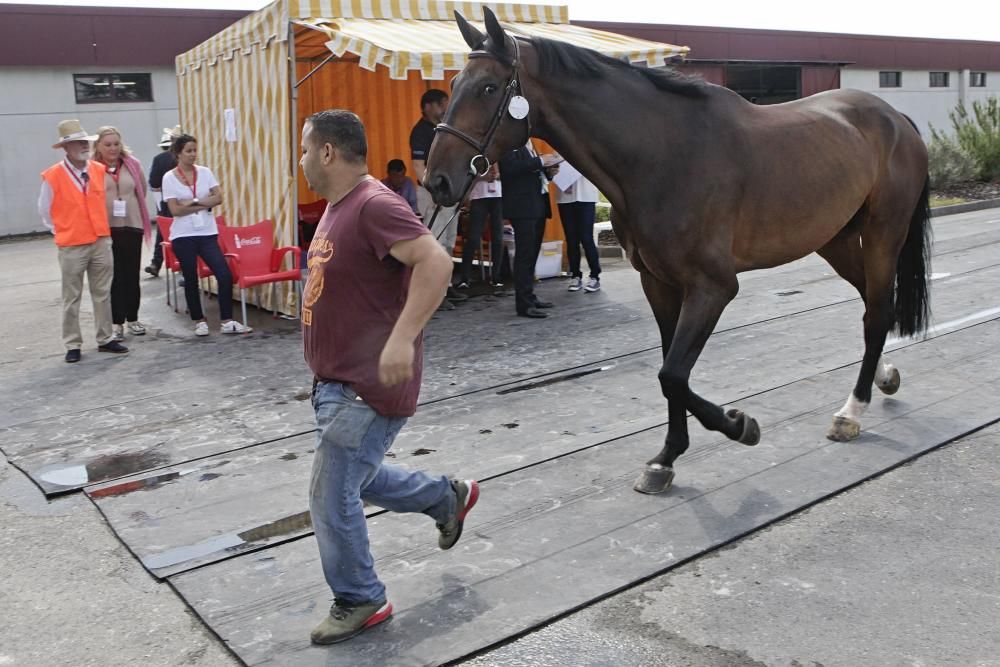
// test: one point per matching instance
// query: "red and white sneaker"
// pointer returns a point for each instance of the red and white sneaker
(466, 493)
(346, 621)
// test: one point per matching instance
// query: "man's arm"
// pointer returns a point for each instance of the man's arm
(431, 273)
(419, 167)
(518, 163)
(45, 206)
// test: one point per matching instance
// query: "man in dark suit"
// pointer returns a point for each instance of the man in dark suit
(526, 204)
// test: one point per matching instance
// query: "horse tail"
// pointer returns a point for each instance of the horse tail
(912, 298)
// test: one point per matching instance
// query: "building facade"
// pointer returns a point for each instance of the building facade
(923, 78)
(103, 66)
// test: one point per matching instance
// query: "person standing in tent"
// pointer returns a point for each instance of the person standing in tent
(578, 210)
(162, 163)
(433, 105)
(191, 191)
(375, 277)
(71, 204)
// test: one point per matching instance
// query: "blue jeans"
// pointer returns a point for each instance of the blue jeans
(188, 249)
(351, 442)
(578, 225)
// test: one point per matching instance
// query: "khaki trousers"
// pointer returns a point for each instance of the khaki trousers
(444, 236)
(96, 261)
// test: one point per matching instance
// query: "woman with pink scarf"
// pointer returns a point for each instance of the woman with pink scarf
(128, 216)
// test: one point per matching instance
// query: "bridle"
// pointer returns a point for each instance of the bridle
(482, 146)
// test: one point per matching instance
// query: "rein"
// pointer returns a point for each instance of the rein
(481, 147)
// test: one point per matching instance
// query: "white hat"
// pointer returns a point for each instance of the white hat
(71, 130)
(168, 136)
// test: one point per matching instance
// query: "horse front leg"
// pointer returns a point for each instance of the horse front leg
(665, 300)
(699, 314)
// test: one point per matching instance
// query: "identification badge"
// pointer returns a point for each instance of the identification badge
(518, 107)
(118, 209)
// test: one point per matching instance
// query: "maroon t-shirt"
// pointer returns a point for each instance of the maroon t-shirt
(355, 293)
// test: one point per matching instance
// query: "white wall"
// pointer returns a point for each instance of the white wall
(925, 105)
(32, 102)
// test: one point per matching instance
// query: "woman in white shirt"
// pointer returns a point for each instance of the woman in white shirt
(577, 210)
(484, 201)
(190, 192)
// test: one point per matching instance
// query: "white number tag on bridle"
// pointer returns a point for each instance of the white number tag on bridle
(518, 108)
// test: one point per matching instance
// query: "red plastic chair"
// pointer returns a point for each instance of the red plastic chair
(309, 216)
(254, 260)
(171, 262)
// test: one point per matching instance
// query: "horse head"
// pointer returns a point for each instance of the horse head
(487, 115)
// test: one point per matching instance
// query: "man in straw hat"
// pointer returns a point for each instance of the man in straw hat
(73, 207)
(162, 163)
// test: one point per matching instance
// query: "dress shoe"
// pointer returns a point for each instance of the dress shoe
(152, 270)
(532, 312)
(454, 295)
(113, 346)
(543, 304)
(72, 356)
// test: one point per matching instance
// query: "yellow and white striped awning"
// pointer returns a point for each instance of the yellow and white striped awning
(432, 47)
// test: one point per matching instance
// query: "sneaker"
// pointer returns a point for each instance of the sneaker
(455, 295)
(201, 329)
(136, 329)
(592, 285)
(118, 333)
(152, 270)
(73, 356)
(112, 346)
(497, 285)
(462, 285)
(346, 621)
(234, 327)
(576, 284)
(467, 493)
(446, 305)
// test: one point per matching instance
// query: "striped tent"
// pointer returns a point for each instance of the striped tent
(246, 91)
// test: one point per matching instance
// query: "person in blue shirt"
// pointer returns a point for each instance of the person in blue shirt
(397, 181)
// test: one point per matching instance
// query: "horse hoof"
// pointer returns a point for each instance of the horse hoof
(655, 478)
(891, 385)
(844, 429)
(751, 429)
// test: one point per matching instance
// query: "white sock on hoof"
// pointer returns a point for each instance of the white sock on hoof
(853, 409)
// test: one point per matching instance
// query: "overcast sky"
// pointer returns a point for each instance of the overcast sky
(956, 19)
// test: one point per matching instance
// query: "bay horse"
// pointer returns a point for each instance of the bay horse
(705, 185)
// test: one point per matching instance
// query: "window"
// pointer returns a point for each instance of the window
(96, 88)
(890, 79)
(977, 79)
(939, 79)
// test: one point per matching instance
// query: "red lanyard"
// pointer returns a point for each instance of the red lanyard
(81, 182)
(193, 185)
(116, 174)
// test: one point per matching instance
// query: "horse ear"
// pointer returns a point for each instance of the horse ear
(498, 37)
(473, 37)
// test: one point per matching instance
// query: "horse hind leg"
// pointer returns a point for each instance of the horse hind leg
(877, 259)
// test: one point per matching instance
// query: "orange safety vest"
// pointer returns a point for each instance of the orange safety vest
(79, 218)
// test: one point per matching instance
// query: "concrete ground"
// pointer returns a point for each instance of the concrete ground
(898, 571)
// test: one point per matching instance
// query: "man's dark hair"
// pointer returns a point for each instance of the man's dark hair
(343, 129)
(432, 96)
(395, 166)
(180, 142)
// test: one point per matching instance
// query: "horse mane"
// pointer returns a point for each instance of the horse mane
(562, 59)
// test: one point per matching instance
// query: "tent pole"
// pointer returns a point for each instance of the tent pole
(294, 148)
(314, 69)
